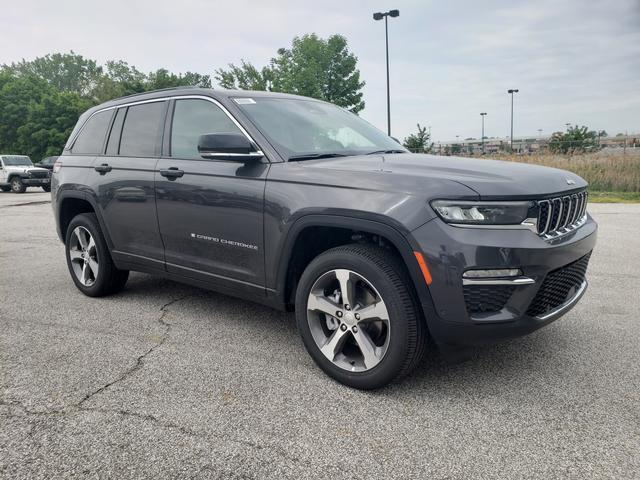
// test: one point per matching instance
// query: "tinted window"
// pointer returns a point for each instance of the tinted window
(140, 133)
(114, 137)
(91, 137)
(192, 118)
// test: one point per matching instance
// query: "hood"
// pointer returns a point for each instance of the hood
(23, 169)
(488, 178)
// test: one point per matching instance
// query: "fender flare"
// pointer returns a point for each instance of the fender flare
(75, 194)
(403, 243)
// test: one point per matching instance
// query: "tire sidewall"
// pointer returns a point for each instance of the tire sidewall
(90, 222)
(17, 181)
(390, 365)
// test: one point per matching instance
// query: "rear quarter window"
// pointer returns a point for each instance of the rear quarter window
(90, 140)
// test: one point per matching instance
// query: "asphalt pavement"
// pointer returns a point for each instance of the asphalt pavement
(169, 381)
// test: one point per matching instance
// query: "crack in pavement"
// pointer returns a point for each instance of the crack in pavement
(136, 366)
(80, 407)
(139, 361)
(38, 202)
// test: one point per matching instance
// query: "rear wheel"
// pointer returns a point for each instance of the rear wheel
(358, 316)
(89, 260)
(17, 186)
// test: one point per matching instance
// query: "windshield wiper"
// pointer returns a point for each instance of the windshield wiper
(386, 151)
(313, 156)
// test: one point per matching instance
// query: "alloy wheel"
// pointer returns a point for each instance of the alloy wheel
(84, 256)
(348, 320)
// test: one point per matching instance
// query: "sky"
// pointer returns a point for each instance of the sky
(573, 61)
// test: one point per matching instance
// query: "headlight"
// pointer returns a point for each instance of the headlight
(482, 213)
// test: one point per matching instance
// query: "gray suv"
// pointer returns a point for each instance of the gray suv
(301, 205)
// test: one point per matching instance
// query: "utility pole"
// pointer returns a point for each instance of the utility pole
(511, 91)
(482, 114)
(380, 16)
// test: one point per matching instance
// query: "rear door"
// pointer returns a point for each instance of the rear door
(123, 179)
(210, 217)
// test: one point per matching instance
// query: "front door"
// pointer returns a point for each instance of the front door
(211, 216)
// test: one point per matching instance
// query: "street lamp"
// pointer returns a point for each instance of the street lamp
(511, 91)
(482, 114)
(380, 16)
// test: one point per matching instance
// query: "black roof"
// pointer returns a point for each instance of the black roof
(209, 92)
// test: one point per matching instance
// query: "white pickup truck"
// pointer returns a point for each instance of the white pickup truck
(17, 173)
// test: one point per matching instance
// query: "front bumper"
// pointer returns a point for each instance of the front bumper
(36, 182)
(449, 251)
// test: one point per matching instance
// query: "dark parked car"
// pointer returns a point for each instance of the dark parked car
(299, 204)
(47, 162)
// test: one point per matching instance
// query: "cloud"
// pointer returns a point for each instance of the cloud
(573, 61)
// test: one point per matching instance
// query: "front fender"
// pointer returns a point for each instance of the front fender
(376, 224)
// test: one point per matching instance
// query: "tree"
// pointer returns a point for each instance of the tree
(418, 142)
(41, 100)
(244, 77)
(575, 139)
(313, 67)
(37, 118)
(163, 78)
(68, 72)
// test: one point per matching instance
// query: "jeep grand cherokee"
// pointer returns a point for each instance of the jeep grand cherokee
(299, 204)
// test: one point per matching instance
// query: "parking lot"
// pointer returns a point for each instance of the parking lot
(166, 380)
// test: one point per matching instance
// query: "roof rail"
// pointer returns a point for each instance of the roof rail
(158, 90)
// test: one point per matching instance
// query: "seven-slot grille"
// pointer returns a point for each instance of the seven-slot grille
(560, 214)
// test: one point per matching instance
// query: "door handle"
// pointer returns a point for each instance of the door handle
(104, 168)
(171, 173)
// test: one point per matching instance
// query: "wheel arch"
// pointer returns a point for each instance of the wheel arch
(286, 276)
(71, 203)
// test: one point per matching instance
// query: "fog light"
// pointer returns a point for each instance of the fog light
(502, 272)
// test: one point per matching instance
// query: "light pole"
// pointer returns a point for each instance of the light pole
(512, 91)
(539, 133)
(380, 16)
(482, 114)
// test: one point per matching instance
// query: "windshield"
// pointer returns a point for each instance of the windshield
(17, 161)
(299, 128)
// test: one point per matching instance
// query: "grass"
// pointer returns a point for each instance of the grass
(614, 197)
(613, 175)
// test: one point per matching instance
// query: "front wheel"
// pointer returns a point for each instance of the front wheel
(89, 260)
(358, 316)
(17, 186)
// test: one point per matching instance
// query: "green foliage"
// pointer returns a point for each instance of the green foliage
(37, 118)
(67, 72)
(244, 77)
(313, 67)
(575, 139)
(41, 100)
(418, 142)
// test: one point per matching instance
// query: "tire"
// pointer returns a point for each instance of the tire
(376, 279)
(46, 188)
(94, 273)
(5, 189)
(17, 186)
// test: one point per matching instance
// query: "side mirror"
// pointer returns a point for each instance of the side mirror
(233, 147)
